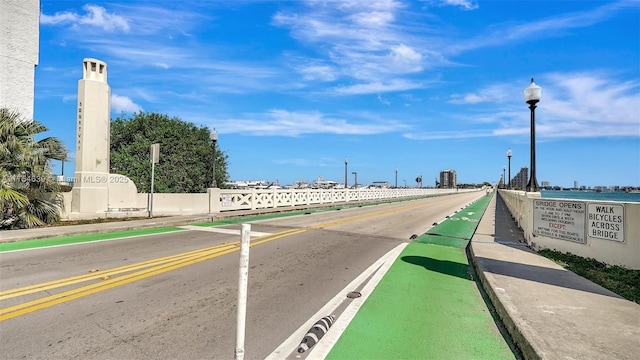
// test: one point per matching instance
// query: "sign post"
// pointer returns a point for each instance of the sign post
(243, 281)
(155, 157)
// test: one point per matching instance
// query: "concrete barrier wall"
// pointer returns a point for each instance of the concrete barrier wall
(175, 204)
(525, 210)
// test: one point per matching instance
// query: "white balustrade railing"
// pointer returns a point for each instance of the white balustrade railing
(251, 199)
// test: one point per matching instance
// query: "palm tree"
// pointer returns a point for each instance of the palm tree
(28, 190)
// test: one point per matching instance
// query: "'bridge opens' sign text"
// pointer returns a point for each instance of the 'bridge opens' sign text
(559, 219)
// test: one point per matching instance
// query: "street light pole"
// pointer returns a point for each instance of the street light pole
(503, 169)
(509, 157)
(355, 173)
(532, 96)
(396, 178)
(214, 139)
(346, 185)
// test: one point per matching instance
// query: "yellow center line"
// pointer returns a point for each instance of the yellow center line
(11, 293)
(145, 269)
(191, 258)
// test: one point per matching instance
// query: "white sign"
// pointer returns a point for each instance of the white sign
(226, 200)
(606, 221)
(559, 219)
(155, 153)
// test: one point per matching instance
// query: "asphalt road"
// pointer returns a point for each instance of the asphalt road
(138, 298)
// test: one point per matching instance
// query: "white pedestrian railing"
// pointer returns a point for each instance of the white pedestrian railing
(252, 199)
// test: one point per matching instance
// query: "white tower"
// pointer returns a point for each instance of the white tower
(90, 192)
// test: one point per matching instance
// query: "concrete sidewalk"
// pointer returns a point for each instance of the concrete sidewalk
(550, 312)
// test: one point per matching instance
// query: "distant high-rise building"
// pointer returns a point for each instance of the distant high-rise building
(575, 184)
(545, 184)
(521, 179)
(448, 179)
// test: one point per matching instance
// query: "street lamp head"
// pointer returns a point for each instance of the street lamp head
(509, 153)
(532, 93)
(346, 160)
(214, 135)
(504, 167)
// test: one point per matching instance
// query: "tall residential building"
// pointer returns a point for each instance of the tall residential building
(19, 49)
(448, 179)
(521, 179)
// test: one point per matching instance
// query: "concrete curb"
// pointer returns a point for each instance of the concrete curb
(518, 338)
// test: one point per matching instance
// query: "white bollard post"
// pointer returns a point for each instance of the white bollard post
(243, 280)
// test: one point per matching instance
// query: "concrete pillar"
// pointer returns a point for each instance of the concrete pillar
(90, 192)
(214, 200)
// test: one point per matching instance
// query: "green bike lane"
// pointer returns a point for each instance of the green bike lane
(428, 305)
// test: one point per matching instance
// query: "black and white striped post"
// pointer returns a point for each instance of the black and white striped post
(243, 280)
(316, 333)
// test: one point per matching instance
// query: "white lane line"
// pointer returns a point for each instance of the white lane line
(88, 242)
(290, 345)
(222, 231)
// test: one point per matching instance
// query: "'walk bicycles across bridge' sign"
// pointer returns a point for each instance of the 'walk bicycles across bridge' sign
(606, 221)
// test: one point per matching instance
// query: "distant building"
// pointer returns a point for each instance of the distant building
(521, 179)
(545, 184)
(448, 179)
(19, 48)
(575, 184)
(380, 184)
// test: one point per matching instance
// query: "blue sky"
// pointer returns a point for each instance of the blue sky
(294, 87)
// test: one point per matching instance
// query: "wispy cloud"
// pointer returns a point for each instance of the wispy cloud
(573, 105)
(464, 4)
(279, 122)
(360, 40)
(94, 16)
(492, 94)
(378, 87)
(591, 105)
(547, 27)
